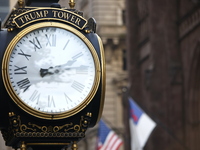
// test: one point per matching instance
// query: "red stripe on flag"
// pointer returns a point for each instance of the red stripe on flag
(113, 143)
(135, 118)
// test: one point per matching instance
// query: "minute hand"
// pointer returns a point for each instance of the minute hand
(80, 70)
(56, 69)
(61, 68)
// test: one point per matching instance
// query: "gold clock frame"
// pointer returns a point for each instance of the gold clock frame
(16, 98)
(103, 75)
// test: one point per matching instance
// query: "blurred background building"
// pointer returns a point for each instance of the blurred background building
(163, 60)
(5, 7)
(110, 18)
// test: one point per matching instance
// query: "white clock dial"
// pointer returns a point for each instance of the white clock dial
(51, 70)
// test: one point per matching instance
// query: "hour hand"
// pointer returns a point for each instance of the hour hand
(44, 72)
(70, 62)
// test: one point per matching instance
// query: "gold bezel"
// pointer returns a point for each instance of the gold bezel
(16, 98)
(103, 78)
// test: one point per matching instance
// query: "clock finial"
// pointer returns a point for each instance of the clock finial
(21, 3)
(72, 4)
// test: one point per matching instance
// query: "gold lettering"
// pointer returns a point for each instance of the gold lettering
(31, 15)
(78, 20)
(39, 14)
(45, 13)
(60, 14)
(21, 19)
(27, 17)
(73, 18)
(67, 16)
(54, 13)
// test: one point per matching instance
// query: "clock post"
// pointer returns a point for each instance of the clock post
(52, 83)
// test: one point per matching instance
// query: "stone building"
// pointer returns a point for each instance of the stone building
(111, 29)
(4, 9)
(163, 60)
(110, 17)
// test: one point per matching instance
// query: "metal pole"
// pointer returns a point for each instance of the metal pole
(74, 146)
(125, 105)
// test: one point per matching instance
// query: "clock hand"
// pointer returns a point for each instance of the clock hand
(70, 62)
(61, 68)
(81, 67)
(77, 70)
(44, 72)
(51, 70)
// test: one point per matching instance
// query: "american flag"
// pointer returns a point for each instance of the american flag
(107, 139)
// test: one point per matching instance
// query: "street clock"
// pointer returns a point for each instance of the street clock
(53, 76)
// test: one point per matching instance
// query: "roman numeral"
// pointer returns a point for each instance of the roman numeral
(25, 55)
(77, 56)
(51, 40)
(36, 43)
(67, 98)
(24, 84)
(20, 70)
(78, 86)
(51, 101)
(35, 96)
(66, 45)
(82, 70)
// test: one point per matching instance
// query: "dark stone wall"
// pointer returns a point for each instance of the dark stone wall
(163, 62)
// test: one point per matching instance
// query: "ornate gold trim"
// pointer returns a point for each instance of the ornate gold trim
(74, 146)
(23, 146)
(42, 14)
(103, 78)
(18, 129)
(29, 15)
(48, 135)
(16, 98)
(37, 144)
(47, 144)
(21, 3)
(72, 4)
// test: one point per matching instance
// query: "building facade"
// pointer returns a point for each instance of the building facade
(111, 29)
(110, 19)
(163, 61)
(4, 9)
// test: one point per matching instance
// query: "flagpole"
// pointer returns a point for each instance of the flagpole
(125, 104)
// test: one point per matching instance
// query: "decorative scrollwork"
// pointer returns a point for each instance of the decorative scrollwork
(71, 130)
(35, 127)
(15, 12)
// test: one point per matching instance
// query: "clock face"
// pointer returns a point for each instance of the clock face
(51, 71)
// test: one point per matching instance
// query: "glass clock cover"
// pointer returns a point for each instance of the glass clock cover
(51, 69)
